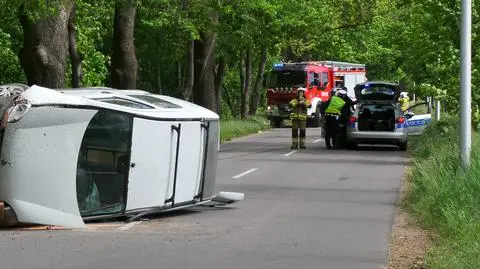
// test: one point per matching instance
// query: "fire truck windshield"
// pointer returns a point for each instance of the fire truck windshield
(287, 78)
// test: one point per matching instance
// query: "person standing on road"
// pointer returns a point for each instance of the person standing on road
(349, 105)
(333, 109)
(299, 118)
(404, 101)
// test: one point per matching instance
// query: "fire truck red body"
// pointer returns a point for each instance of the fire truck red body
(319, 78)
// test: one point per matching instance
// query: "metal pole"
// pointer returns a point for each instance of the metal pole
(465, 84)
(430, 104)
(437, 110)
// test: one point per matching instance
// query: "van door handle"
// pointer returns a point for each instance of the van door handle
(132, 165)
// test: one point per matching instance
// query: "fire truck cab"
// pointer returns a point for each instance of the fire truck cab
(319, 78)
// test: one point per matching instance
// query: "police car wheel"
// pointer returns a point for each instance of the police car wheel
(403, 146)
(351, 145)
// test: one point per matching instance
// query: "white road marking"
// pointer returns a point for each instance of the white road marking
(318, 140)
(290, 153)
(245, 173)
(128, 226)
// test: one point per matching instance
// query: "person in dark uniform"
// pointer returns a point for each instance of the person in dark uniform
(332, 110)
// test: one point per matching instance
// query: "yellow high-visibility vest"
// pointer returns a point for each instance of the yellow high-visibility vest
(404, 102)
(335, 106)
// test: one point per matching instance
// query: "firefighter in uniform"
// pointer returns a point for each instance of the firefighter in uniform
(300, 104)
(333, 111)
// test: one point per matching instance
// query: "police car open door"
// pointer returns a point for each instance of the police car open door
(417, 123)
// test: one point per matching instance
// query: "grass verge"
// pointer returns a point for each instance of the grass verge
(230, 129)
(445, 199)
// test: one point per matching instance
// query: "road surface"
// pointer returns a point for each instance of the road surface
(310, 208)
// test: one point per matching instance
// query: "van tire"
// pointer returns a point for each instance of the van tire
(403, 146)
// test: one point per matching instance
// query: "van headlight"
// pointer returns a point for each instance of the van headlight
(18, 110)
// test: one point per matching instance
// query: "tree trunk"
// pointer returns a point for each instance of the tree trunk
(229, 101)
(219, 76)
(180, 76)
(74, 56)
(246, 85)
(189, 77)
(158, 80)
(45, 47)
(241, 72)
(124, 60)
(258, 82)
(204, 82)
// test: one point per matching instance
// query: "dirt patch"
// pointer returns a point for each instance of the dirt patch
(408, 242)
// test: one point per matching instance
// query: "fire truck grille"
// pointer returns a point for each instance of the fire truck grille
(284, 90)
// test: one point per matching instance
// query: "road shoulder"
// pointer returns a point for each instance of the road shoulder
(408, 242)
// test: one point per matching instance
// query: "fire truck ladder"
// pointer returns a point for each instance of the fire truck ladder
(339, 65)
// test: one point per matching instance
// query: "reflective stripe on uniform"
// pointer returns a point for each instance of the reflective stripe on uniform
(294, 116)
(335, 106)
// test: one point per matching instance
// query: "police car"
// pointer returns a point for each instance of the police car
(378, 119)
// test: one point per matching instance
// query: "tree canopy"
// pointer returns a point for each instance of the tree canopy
(216, 52)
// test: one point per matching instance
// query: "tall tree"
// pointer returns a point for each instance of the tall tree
(73, 51)
(46, 44)
(204, 81)
(124, 60)
(246, 83)
(255, 98)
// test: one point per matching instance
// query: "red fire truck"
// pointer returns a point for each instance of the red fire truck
(319, 78)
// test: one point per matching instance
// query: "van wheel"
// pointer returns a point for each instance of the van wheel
(403, 146)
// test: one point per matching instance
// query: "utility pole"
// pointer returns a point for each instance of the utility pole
(437, 110)
(466, 84)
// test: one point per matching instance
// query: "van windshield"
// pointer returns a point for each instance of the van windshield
(287, 78)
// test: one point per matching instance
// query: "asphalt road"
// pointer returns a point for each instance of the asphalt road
(311, 208)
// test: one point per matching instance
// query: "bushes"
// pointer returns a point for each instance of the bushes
(236, 128)
(446, 199)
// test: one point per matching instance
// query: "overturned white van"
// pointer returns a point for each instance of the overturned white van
(73, 155)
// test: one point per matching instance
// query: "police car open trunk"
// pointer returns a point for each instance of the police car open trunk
(376, 106)
(376, 117)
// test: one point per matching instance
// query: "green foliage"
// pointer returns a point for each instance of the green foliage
(445, 198)
(94, 21)
(417, 41)
(9, 64)
(236, 128)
